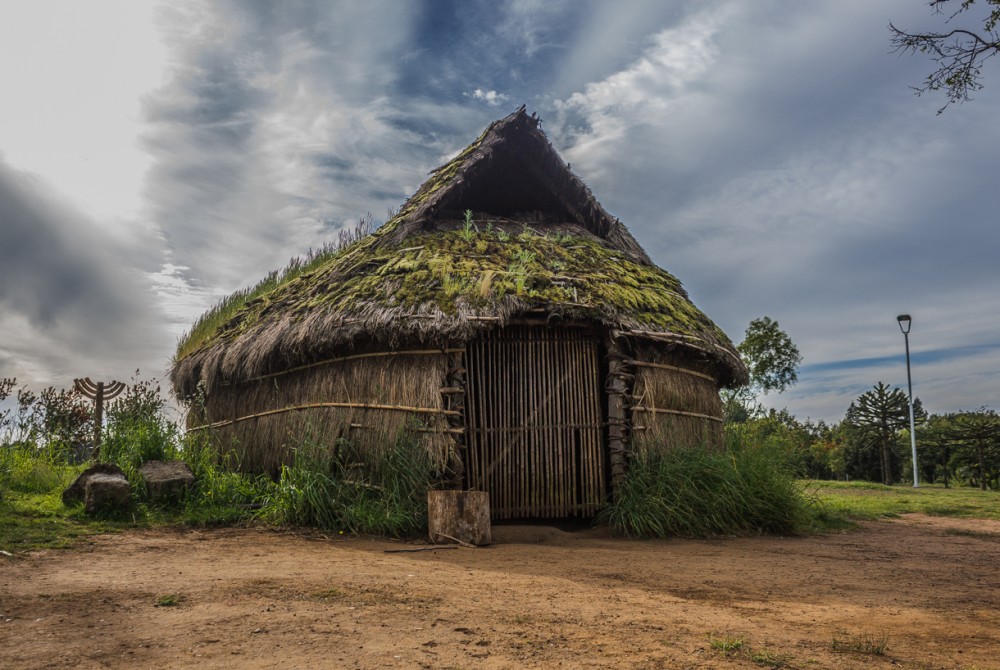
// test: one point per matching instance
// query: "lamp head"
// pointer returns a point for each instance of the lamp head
(904, 323)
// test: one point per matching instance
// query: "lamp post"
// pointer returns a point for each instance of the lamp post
(904, 325)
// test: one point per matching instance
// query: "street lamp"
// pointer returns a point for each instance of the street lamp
(904, 325)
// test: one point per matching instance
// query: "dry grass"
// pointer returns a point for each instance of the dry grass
(667, 389)
(263, 444)
(866, 642)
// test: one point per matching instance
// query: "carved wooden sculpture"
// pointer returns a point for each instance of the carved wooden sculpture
(98, 392)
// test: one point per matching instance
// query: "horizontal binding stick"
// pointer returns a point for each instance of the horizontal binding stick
(436, 431)
(672, 368)
(665, 337)
(316, 405)
(678, 412)
(329, 361)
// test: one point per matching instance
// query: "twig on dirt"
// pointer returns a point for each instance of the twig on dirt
(410, 549)
(455, 539)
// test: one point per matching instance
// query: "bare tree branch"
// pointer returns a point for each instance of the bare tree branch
(958, 53)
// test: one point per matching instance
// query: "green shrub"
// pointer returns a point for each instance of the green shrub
(697, 493)
(137, 430)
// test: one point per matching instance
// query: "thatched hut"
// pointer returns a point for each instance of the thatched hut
(504, 310)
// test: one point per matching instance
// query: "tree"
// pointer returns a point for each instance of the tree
(937, 447)
(873, 422)
(772, 359)
(978, 437)
(959, 53)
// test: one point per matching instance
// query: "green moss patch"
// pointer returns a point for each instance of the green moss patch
(447, 273)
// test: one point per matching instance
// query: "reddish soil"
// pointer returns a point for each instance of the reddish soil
(538, 598)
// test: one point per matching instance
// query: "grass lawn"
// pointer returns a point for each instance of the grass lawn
(32, 513)
(41, 521)
(865, 500)
(36, 520)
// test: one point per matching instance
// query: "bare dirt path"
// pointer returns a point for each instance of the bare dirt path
(539, 598)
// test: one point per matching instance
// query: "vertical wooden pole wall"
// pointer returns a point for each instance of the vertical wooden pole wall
(619, 383)
(535, 428)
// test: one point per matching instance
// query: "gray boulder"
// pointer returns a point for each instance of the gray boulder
(106, 492)
(166, 481)
(78, 489)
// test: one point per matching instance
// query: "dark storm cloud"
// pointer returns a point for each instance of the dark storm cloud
(64, 283)
(51, 262)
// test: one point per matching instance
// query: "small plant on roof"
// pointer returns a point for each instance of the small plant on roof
(518, 268)
(468, 227)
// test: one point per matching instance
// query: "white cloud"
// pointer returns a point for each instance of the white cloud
(528, 23)
(71, 85)
(264, 139)
(490, 97)
(778, 173)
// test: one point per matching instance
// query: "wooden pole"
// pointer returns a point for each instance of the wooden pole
(672, 368)
(98, 418)
(316, 405)
(354, 357)
(618, 383)
(677, 412)
(98, 392)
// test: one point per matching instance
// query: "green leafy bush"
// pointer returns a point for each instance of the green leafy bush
(138, 431)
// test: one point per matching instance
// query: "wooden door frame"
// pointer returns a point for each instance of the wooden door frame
(567, 459)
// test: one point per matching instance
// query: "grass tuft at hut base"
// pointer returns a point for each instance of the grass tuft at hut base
(694, 492)
(356, 492)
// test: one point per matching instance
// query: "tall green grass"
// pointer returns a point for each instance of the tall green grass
(345, 491)
(138, 430)
(222, 494)
(27, 469)
(695, 492)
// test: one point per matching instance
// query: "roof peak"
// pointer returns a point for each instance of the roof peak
(510, 171)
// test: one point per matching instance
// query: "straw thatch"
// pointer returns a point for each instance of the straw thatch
(364, 400)
(504, 234)
(674, 402)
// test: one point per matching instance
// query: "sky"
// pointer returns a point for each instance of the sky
(155, 157)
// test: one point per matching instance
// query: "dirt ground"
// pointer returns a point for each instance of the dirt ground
(539, 597)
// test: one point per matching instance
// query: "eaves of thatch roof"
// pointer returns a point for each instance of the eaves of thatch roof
(448, 285)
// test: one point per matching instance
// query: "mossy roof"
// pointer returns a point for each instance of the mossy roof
(425, 277)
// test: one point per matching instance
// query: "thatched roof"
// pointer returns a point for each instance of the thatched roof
(511, 170)
(537, 242)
